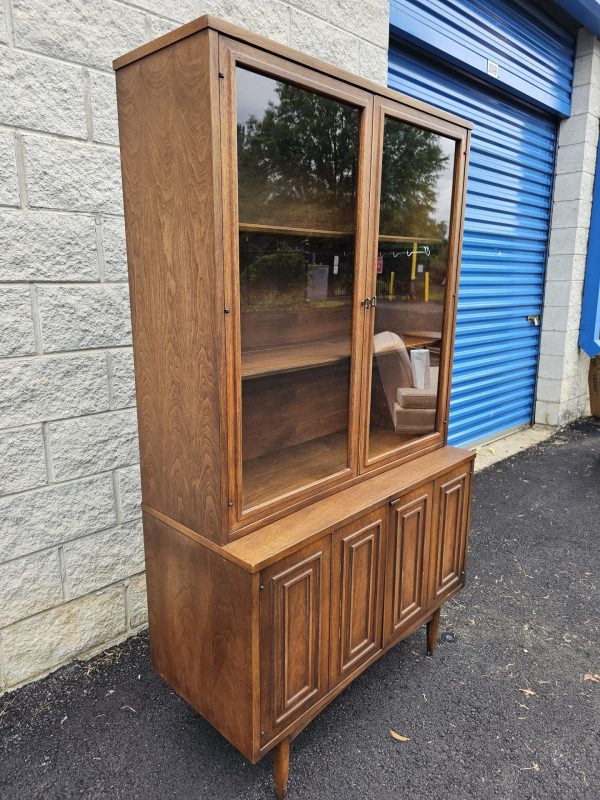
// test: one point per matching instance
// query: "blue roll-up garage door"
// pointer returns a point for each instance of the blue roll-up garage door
(509, 196)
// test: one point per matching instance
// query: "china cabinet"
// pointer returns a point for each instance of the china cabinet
(293, 238)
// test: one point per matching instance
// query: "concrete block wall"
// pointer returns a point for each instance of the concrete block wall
(562, 389)
(71, 560)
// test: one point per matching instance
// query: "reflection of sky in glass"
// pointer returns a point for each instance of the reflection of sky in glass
(444, 182)
(253, 94)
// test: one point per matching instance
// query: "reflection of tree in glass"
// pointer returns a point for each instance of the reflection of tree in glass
(412, 163)
(281, 270)
(297, 165)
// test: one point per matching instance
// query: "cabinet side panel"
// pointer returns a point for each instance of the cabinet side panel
(200, 613)
(170, 184)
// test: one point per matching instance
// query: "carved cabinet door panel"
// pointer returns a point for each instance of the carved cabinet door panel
(407, 557)
(294, 636)
(449, 541)
(356, 588)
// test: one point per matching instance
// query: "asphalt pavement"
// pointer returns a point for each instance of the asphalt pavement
(502, 711)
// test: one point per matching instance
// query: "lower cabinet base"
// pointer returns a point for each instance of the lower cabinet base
(259, 647)
(282, 750)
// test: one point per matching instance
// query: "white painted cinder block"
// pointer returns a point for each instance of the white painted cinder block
(9, 187)
(580, 128)
(373, 61)
(91, 32)
(549, 390)
(130, 492)
(122, 378)
(547, 413)
(551, 367)
(585, 99)
(180, 10)
(568, 241)
(45, 246)
(69, 480)
(566, 266)
(571, 213)
(562, 380)
(42, 94)
(22, 459)
(81, 317)
(351, 17)
(137, 601)
(573, 186)
(115, 253)
(575, 158)
(52, 387)
(16, 322)
(159, 26)
(46, 517)
(29, 585)
(268, 17)
(96, 443)
(103, 558)
(103, 98)
(3, 34)
(37, 644)
(72, 176)
(314, 37)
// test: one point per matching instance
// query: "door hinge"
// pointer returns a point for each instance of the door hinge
(369, 302)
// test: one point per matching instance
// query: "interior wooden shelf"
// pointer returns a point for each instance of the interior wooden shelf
(247, 227)
(251, 227)
(383, 440)
(284, 470)
(291, 358)
(292, 468)
(271, 361)
(418, 239)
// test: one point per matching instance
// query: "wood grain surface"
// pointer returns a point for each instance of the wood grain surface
(357, 580)
(200, 609)
(168, 134)
(276, 540)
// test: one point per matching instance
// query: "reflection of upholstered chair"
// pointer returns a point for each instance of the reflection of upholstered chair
(412, 410)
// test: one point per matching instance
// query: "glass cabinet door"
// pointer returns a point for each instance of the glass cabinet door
(408, 284)
(297, 199)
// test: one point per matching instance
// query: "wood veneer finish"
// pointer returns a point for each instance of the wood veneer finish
(281, 768)
(407, 557)
(259, 363)
(202, 637)
(285, 469)
(263, 330)
(170, 159)
(259, 655)
(262, 610)
(294, 635)
(357, 578)
(274, 541)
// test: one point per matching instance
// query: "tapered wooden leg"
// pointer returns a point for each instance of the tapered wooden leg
(281, 767)
(433, 629)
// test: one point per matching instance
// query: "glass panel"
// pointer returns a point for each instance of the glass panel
(297, 178)
(412, 263)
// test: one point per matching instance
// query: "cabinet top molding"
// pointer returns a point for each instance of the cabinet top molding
(235, 32)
